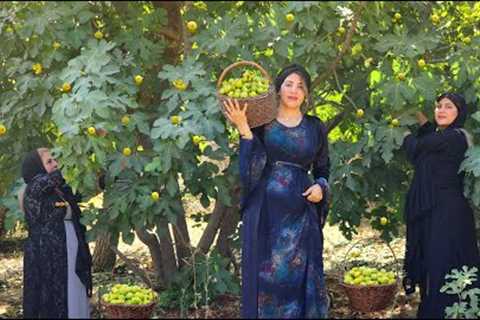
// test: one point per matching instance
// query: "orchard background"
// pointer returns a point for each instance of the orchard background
(127, 91)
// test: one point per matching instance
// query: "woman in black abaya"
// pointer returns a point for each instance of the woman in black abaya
(440, 222)
(57, 260)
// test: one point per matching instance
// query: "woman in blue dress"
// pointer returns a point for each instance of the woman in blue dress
(283, 209)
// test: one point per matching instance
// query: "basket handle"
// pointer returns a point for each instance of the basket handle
(239, 63)
(375, 238)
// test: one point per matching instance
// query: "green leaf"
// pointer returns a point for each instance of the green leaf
(204, 201)
(172, 186)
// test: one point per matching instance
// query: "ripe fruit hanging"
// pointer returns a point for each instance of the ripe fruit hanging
(138, 80)
(356, 49)
(192, 26)
(155, 196)
(127, 151)
(179, 84)
(98, 35)
(91, 131)
(359, 113)
(3, 130)
(197, 139)
(290, 17)
(175, 120)
(37, 68)
(125, 120)
(66, 87)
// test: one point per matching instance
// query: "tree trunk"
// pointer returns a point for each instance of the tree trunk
(210, 231)
(166, 249)
(153, 245)
(227, 228)
(182, 239)
(103, 257)
(3, 213)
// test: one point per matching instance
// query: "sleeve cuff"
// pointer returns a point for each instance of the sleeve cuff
(427, 127)
(323, 183)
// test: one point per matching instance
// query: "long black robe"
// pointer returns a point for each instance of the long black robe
(45, 290)
(440, 223)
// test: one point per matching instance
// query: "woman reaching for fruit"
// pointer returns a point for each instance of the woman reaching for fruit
(57, 260)
(440, 222)
(283, 209)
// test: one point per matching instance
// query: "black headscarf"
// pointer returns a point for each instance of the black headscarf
(288, 70)
(459, 102)
(302, 72)
(32, 165)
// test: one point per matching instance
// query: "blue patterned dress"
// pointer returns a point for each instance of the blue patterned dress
(282, 240)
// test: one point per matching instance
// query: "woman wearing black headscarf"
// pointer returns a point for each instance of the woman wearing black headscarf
(440, 222)
(283, 208)
(57, 260)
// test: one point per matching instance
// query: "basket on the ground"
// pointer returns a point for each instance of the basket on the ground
(262, 108)
(127, 311)
(370, 298)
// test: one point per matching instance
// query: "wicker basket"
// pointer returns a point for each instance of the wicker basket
(126, 311)
(261, 108)
(370, 298)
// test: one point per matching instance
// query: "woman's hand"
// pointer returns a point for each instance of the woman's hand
(238, 117)
(421, 118)
(314, 193)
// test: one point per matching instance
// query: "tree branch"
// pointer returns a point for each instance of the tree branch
(169, 34)
(137, 270)
(346, 46)
(212, 227)
(335, 121)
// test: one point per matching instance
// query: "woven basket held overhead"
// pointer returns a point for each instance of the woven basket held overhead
(261, 108)
(370, 298)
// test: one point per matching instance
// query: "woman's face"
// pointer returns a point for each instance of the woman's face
(292, 91)
(49, 163)
(445, 112)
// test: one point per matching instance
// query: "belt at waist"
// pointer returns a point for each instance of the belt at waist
(286, 163)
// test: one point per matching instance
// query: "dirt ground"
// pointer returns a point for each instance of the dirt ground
(335, 260)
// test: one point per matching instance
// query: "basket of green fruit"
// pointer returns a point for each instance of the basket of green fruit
(370, 289)
(254, 87)
(128, 302)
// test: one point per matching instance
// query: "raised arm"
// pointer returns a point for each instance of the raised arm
(45, 184)
(429, 140)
